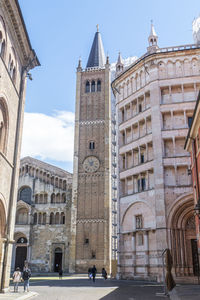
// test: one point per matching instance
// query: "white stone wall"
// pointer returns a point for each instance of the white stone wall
(154, 103)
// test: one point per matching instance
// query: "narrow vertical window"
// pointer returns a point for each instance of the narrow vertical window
(138, 222)
(87, 87)
(99, 86)
(143, 184)
(93, 86)
(92, 145)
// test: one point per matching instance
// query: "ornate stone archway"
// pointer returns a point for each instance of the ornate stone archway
(182, 237)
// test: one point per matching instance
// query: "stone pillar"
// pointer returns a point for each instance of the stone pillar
(146, 247)
(134, 252)
(13, 258)
(172, 120)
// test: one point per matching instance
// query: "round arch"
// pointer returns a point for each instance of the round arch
(182, 236)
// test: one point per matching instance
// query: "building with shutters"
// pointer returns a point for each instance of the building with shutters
(43, 217)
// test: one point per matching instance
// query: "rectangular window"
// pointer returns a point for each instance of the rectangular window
(189, 121)
(138, 184)
(138, 222)
(140, 239)
(142, 158)
(143, 184)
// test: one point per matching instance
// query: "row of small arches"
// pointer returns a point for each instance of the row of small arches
(54, 218)
(166, 69)
(11, 67)
(43, 176)
(93, 86)
(42, 198)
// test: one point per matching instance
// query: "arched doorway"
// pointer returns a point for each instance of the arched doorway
(21, 252)
(57, 259)
(183, 239)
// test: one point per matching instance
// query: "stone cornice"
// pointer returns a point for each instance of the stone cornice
(19, 33)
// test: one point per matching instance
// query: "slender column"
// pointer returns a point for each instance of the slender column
(137, 106)
(125, 141)
(145, 120)
(147, 154)
(144, 101)
(185, 119)
(131, 108)
(125, 118)
(170, 93)
(138, 129)
(125, 160)
(134, 252)
(182, 92)
(13, 258)
(174, 146)
(139, 157)
(146, 247)
(172, 120)
(132, 154)
(147, 184)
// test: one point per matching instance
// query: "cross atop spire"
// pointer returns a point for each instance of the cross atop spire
(97, 55)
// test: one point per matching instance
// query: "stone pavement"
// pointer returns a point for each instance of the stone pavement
(185, 292)
(17, 296)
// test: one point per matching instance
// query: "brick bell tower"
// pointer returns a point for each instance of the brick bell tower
(91, 201)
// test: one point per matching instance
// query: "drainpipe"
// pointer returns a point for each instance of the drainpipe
(12, 200)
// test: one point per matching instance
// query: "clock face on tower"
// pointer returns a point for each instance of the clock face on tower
(91, 164)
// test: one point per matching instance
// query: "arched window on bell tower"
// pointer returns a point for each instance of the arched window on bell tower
(91, 145)
(87, 87)
(93, 86)
(99, 86)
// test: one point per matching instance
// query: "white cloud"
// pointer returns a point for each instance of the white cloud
(49, 137)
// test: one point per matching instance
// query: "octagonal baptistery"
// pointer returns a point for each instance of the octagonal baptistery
(155, 99)
(43, 217)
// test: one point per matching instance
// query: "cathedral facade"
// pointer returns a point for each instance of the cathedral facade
(16, 59)
(155, 99)
(91, 200)
(43, 217)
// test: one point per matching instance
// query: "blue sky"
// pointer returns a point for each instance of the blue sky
(61, 31)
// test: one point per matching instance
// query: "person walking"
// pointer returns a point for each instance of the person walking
(60, 273)
(90, 273)
(104, 273)
(17, 279)
(94, 272)
(26, 276)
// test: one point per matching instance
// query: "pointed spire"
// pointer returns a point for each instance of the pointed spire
(97, 55)
(153, 39)
(79, 68)
(153, 32)
(119, 64)
(119, 61)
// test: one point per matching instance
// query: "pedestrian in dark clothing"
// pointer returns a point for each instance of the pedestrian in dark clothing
(90, 273)
(104, 273)
(60, 273)
(26, 276)
(94, 272)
